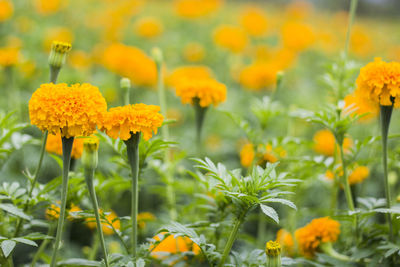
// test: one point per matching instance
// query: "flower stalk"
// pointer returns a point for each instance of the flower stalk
(43, 245)
(125, 84)
(328, 249)
(273, 251)
(200, 113)
(66, 148)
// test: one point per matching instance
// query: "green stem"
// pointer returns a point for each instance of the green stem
(54, 71)
(232, 238)
(43, 245)
(132, 146)
(200, 113)
(345, 180)
(261, 229)
(328, 249)
(353, 7)
(94, 249)
(386, 114)
(89, 174)
(66, 148)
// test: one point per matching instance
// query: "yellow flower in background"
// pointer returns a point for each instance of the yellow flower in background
(75, 109)
(143, 218)
(247, 155)
(317, 232)
(324, 143)
(47, 7)
(6, 10)
(148, 27)
(54, 145)
(192, 9)
(361, 41)
(194, 52)
(9, 56)
(79, 59)
(379, 82)
(74, 208)
(130, 62)
(194, 72)
(231, 37)
(213, 143)
(59, 34)
(52, 213)
(297, 36)
(361, 106)
(254, 21)
(299, 9)
(121, 122)
(285, 239)
(106, 221)
(172, 245)
(358, 175)
(259, 75)
(208, 91)
(27, 68)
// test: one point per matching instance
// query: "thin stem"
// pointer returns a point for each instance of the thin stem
(132, 146)
(43, 245)
(89, 174)
(200, 113)
(67, 148)
(353, 7)
(94, 249)
(54, 71)
(345, 180)
(261, 228)
(386, 114)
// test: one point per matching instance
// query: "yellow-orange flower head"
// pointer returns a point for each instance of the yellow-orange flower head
(254, 21)
(230, 37)
(324, 143)
(192, 9)
(53, 212)
(6, 10)
(358, 175)
(379, 82)
(273, 248)
(172, 245)
(285, 239)
(148, 27)
(121, 122)
(194, 52)
(106, 222)
(259, 75)
(360, 106)
(54, 145)
(9, 56)
(317, 232)
(208, 91)
(76, 109)
(247, 155)
(47, 7)
(297, 36)
(188, 72)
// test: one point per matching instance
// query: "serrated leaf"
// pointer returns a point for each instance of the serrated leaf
(270, 212)
(10, 208)
(79, 262)
(7, 246)
(25, 241)
(281, 201)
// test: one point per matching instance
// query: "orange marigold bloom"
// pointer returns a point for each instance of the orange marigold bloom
(297, 36)
(53, 212)
(9, 56)
(247, 155)
(254, 21)
(230, 37)
(208, 91)
(76, 109)
(192, 9)
(47, 7)
(73, 208)
(121, 122)
(362, 106)
(143, 218)
(188, 72)
(6, 10)
(285, 238)
(194, 52)
(148, 27)
(172, 245)
(79, 59)
(130, 62)
(358, 175)
(361, 41)
(315, 233)
(259, 75)
(324, 143)
(299, 9)
(379, 82)
(106, 222)
(54, 145)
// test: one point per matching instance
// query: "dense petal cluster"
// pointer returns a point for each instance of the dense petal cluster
(379, 82)
(6, 10)
(247, 155)
(54, 145)
(358, 175)
(315, 233)
(148, 27)
(230, 37)
(324, 143)
(254, 21)
(285, 239)
(208, 91)
(130, 62)
(188, 72)
(76, 109)
(121, 122)
(360, 106)
(53, 212)
(172, 245)
(192, 9)
(272, 248)
(259, 75)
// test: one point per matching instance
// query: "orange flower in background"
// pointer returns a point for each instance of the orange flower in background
(317, 232)
(54, 145)
(360, 107)
(194, 72)
(6, 10)
(194, 52)
(52, 213)
(254, 21)
(47, 7)
(272, 154)
(358, 175)
(299, 9)
(172, 245)
(285, 239)
(106, 221)
(79, 59)
(259, 75)
(72, 209)
(297, 36)
(324, 143)
(208, 91)
(130, 62)
(379, 82)
(148, 27)
(143, 218)
(247, 155)
(230, 37)
(361, 41)
(192, 9)
(9, 56)
(121, 122)
(59, 34)
(75, 110)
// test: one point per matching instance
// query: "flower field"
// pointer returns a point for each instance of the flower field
(199, 133)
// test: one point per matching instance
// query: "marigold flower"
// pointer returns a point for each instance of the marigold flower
(297, 36)
(317, 232)
(192, 9)
(143, 218)
(122, 122)
(254, 21)
(361, 41)
(259, 75)
(53, 212)
(106, 221)
(379, 82)
(285, 239)
(74, 208)
(194, 52)
(324, 143)
(172, 245)
(193, 72)
(6, 10)
(9, 56)
(208, 91)
(358, 175)
(361, 106)
(75, 110)
(247, 155)
(148, 27)
(272, 248)
(54, 145)
(230, 37)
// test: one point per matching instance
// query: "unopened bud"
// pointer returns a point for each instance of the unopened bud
(90, 152)
(273, 251)
(157, 55)
(58, 53)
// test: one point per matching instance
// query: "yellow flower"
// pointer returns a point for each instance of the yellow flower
(208, 91)
(358, 175)
(247, 155)
(76, 109)
(188, 72)
(130, 62)
(121, 122)
(297, 36)
(53, 212)
(148, 27)
(193, 52)
(9, 56)
(361, 41)
(59, 34)
(285, 239)
(259, 75)
(230, 37)
(324, 143)
(106, 222)
(172, 245)
(254, 21)
(47, 7)
(362, 106)
(6, 10)
(73, 208)
(272, 248)
(54, 145)
(379, 82)
(192, 9)
(143, 218)
(317, 232)
(299, 9)
(79, 59)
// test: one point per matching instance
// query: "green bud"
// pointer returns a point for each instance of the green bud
(273, 251)
(125, 83)
(157, 55)
(58, 53)
(90, 152)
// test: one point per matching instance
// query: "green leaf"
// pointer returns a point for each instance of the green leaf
(10, 208)
(281, 201)
(25, 241)
(7, 246)
(79, 262)
(270, 212)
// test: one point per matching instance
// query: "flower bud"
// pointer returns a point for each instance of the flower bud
(58, 53)
(273, 251)
(125, 83)
(157, 55)
(90, 152)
